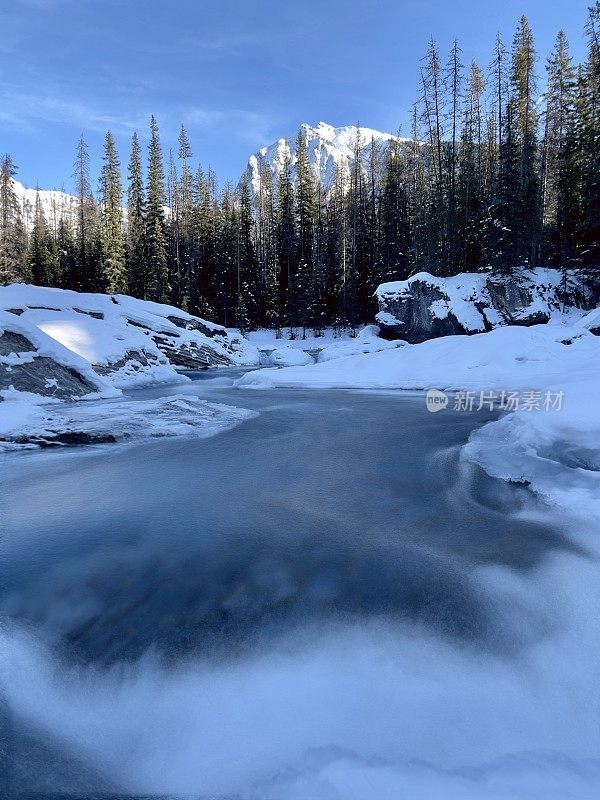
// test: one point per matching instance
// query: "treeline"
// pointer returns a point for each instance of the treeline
(496, 174)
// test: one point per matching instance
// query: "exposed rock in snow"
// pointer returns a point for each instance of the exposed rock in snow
(127, 341)
(34, 363)
(424, 307)
(27, 425)
(330, 150)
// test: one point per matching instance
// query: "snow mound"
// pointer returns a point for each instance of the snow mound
(508, 358)
(127, 341)
(29, 425)
(556, 454)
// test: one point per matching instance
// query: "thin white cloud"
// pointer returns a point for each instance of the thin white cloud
(21, 110)
(26, 112)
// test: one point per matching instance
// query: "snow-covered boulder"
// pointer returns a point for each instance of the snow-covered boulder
(591, 322)
(33, 363)
(127, 341)
(425, 307)
(289, 357)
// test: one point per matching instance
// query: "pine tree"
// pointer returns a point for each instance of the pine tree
(13, 239)
(433, 113)
(267, 251)
(66, 255)
(186, 212)
(114, 267)
(205, 225)
(136, 262)
(86, 231)
(173, 237)
(471, 194)
(226, 259)
(590, 146)
(524, 124)
(453, 81)
(559, 171)
(156, 247)
(301, 300)
(395, 239)
(247, 278)
(42, 255)
(286, 242)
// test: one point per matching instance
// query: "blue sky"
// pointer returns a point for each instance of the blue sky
(238, 74)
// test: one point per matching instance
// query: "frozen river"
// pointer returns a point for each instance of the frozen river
(324, 596)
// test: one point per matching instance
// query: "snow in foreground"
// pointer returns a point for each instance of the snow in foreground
(29, 425)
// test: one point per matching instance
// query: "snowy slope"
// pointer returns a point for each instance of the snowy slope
(130, 342)
(329, 150)
(56, 205)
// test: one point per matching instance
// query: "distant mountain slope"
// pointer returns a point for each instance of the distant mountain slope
(56, 205)
(330, 150)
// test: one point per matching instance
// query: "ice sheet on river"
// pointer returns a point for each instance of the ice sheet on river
(27, 424)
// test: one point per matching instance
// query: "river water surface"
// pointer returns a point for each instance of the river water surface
(324, 587)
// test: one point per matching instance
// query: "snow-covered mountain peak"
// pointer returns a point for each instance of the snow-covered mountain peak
(56, 205)
(331, 152)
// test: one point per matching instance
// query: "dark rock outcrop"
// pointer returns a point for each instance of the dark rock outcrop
(13, 342)
(189, 355)
(412, 318)
(424, 307)
(46, 377)
(197, 325)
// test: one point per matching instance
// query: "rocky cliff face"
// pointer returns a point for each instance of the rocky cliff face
(331, 153)
(424, 307)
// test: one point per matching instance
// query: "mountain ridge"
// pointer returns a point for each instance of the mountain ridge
(330, 151)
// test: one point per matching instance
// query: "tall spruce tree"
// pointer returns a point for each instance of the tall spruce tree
(286, 242)
(156, 246)
(13, 239)
(559, 169)
(136, 260)
(186, 255)
(42, 256)
(301, 300)
(523, 159)
(395, 238)
(590, 146)
(114, 267)
(87, 276)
